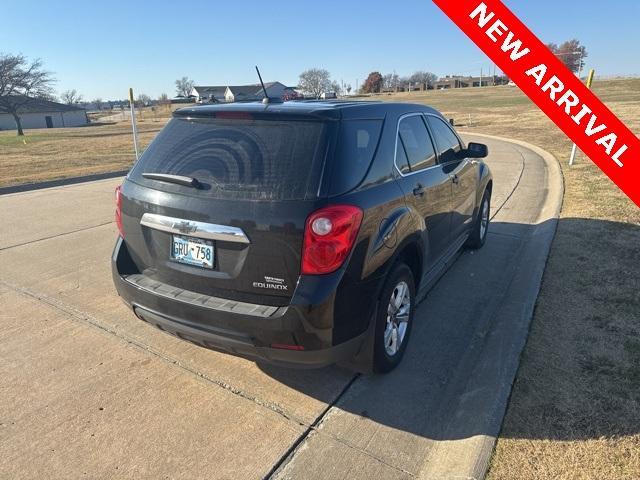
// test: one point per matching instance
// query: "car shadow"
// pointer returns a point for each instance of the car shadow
(465, 349)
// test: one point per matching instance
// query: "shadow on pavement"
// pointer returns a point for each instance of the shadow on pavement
(461, 324)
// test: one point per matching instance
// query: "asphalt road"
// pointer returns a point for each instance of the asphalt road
(87, 390)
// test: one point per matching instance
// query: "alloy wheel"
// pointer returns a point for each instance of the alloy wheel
(398, 313)
(484, 219)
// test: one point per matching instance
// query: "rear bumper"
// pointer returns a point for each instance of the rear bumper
(238, 328)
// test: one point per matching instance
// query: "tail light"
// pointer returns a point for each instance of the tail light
(329, 236)
(119, 210)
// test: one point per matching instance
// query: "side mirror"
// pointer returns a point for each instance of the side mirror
(476, 150)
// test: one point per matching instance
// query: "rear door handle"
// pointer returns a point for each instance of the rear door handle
(455, 179)
(419, 190)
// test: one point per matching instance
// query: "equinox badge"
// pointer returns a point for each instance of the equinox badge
(271, 283)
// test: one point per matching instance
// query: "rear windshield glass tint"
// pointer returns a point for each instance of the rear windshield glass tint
(357, 142)
(238, 158)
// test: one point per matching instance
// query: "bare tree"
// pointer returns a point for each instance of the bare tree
(71, 96)
(315, 81)
(427, 79)
(403, 82)
(348, 88)
(571, 53)
(143, 100)
(335, 87)
(390, 81)
(20, 82)
(98, 103)
(184, 86)
(163, 99)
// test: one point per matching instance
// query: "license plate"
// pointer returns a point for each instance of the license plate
(192, 251)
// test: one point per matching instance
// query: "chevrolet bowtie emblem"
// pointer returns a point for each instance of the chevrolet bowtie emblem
(185, 227)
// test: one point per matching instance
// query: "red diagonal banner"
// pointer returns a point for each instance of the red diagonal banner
(552, 86)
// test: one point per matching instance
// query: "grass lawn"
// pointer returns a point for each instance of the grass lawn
(575, 407)
(49, 154)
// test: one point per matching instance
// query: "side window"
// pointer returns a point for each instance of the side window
(415, 139)
(447, 142)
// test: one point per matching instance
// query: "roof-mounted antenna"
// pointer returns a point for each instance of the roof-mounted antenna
(266, 100)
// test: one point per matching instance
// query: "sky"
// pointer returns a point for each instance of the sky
(101, 48)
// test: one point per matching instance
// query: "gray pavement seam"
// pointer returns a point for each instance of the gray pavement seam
(359, 449)
(317, 431)
(83, 229)
(291, 451)
(89, 320)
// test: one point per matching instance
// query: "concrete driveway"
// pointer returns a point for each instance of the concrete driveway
(87, 390)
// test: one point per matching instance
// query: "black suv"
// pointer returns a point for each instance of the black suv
(300, 233)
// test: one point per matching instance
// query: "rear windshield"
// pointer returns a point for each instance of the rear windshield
(238, 158)
(357, 143)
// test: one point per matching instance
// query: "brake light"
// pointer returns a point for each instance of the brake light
(119, 210)
(329, 235)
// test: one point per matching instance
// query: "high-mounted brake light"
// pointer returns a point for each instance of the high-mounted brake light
(329, 236)
(119, 211)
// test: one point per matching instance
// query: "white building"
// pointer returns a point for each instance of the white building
(44, 114)
(238, 93)
(206, 94)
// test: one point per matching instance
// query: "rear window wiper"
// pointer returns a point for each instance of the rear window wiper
(178, 179)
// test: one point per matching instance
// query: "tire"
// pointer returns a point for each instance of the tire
(389, 346)
(478, 235)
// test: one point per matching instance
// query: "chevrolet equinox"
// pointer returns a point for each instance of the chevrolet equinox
(298, 233)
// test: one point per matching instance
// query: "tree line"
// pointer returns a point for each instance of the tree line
(22, 80)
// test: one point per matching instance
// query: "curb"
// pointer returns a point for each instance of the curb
(555, 191)
(470, 457)
(27, 187)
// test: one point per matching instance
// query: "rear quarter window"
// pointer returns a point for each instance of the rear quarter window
(244, 158)
(355, 148)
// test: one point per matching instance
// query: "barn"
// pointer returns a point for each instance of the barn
(37, 113)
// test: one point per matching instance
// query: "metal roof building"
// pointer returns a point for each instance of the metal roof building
(37, 113)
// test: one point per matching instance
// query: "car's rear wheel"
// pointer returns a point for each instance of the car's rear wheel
(394, 319)
(481, 224)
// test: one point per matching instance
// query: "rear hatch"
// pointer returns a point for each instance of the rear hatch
(258, 176)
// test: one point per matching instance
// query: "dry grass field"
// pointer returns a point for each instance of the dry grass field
(49, 154)
(575, 407)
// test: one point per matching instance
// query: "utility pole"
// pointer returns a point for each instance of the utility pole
(481, 76)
